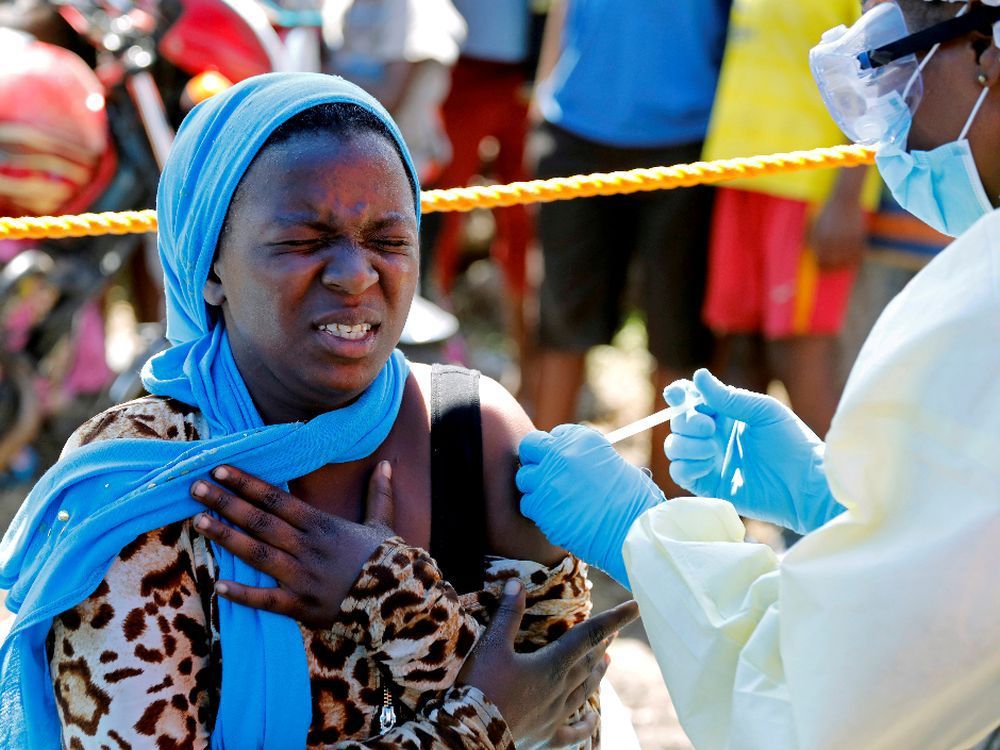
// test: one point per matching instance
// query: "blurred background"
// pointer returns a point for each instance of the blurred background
(585, 309)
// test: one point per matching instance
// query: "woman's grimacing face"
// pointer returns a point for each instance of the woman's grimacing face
(316, 269)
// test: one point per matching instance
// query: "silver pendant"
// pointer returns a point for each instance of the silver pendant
(387, 718)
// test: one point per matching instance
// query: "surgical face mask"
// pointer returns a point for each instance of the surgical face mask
(942, 186)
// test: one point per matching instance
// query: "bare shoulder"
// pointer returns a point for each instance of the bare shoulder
(421, 373)
(504, 424)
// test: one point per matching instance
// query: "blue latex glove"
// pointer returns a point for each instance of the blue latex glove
(582, 494)
(752, 450)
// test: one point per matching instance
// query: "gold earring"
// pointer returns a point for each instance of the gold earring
(983, 80)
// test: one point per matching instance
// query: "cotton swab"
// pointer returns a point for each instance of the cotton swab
(647, 423)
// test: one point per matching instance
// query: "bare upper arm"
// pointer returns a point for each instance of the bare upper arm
(509, 534)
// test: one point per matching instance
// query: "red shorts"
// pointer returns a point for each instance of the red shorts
(762, 277)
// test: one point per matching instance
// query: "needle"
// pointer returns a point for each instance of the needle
(646, 423)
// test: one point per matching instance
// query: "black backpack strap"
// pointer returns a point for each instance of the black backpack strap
(458, 500)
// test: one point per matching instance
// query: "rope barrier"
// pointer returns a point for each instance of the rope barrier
(495, 196)
(81, 225)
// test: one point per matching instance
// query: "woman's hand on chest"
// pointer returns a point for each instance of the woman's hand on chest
(314, 556)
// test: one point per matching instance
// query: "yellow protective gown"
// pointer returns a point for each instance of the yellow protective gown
(882, 628)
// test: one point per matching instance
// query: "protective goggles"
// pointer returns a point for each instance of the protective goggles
(869, 75)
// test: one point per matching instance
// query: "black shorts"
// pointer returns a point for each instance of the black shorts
(590, 244)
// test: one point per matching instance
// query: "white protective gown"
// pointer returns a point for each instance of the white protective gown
(882, 628)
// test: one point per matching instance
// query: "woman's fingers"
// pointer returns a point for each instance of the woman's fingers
(589, 685)
(380, 510)
(506, 620)
(264, 557)
(590, 635)
(256, 521)
(265, 496)
(579, 731)
(272, 599)
(579, 673)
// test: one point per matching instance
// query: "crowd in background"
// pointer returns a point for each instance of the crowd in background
(769, 280)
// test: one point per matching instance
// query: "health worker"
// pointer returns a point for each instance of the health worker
(881, 627)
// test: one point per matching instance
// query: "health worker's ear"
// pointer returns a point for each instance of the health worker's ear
(213, 292)
(989, 66)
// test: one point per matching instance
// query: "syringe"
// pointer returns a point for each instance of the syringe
(647, 423)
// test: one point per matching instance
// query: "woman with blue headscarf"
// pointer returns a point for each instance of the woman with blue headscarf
(289, 213)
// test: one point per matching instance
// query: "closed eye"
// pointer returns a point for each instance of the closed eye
(298, 244)
(393, 244)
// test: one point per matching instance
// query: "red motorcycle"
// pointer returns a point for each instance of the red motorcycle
(87, 116)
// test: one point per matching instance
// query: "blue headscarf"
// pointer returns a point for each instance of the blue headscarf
(115, 490)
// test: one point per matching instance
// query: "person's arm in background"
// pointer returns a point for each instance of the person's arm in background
(395, 82)
(429, 33)
(410, 35)
(839, 232)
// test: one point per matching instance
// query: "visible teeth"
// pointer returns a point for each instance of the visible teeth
(347, 332)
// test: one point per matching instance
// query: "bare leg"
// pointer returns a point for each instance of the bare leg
(741, 360)
(516, 320)
(807, 367)
(560, 375)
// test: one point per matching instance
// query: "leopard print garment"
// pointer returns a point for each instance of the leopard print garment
(138, 663)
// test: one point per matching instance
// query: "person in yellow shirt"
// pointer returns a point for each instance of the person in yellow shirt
(784, 248)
